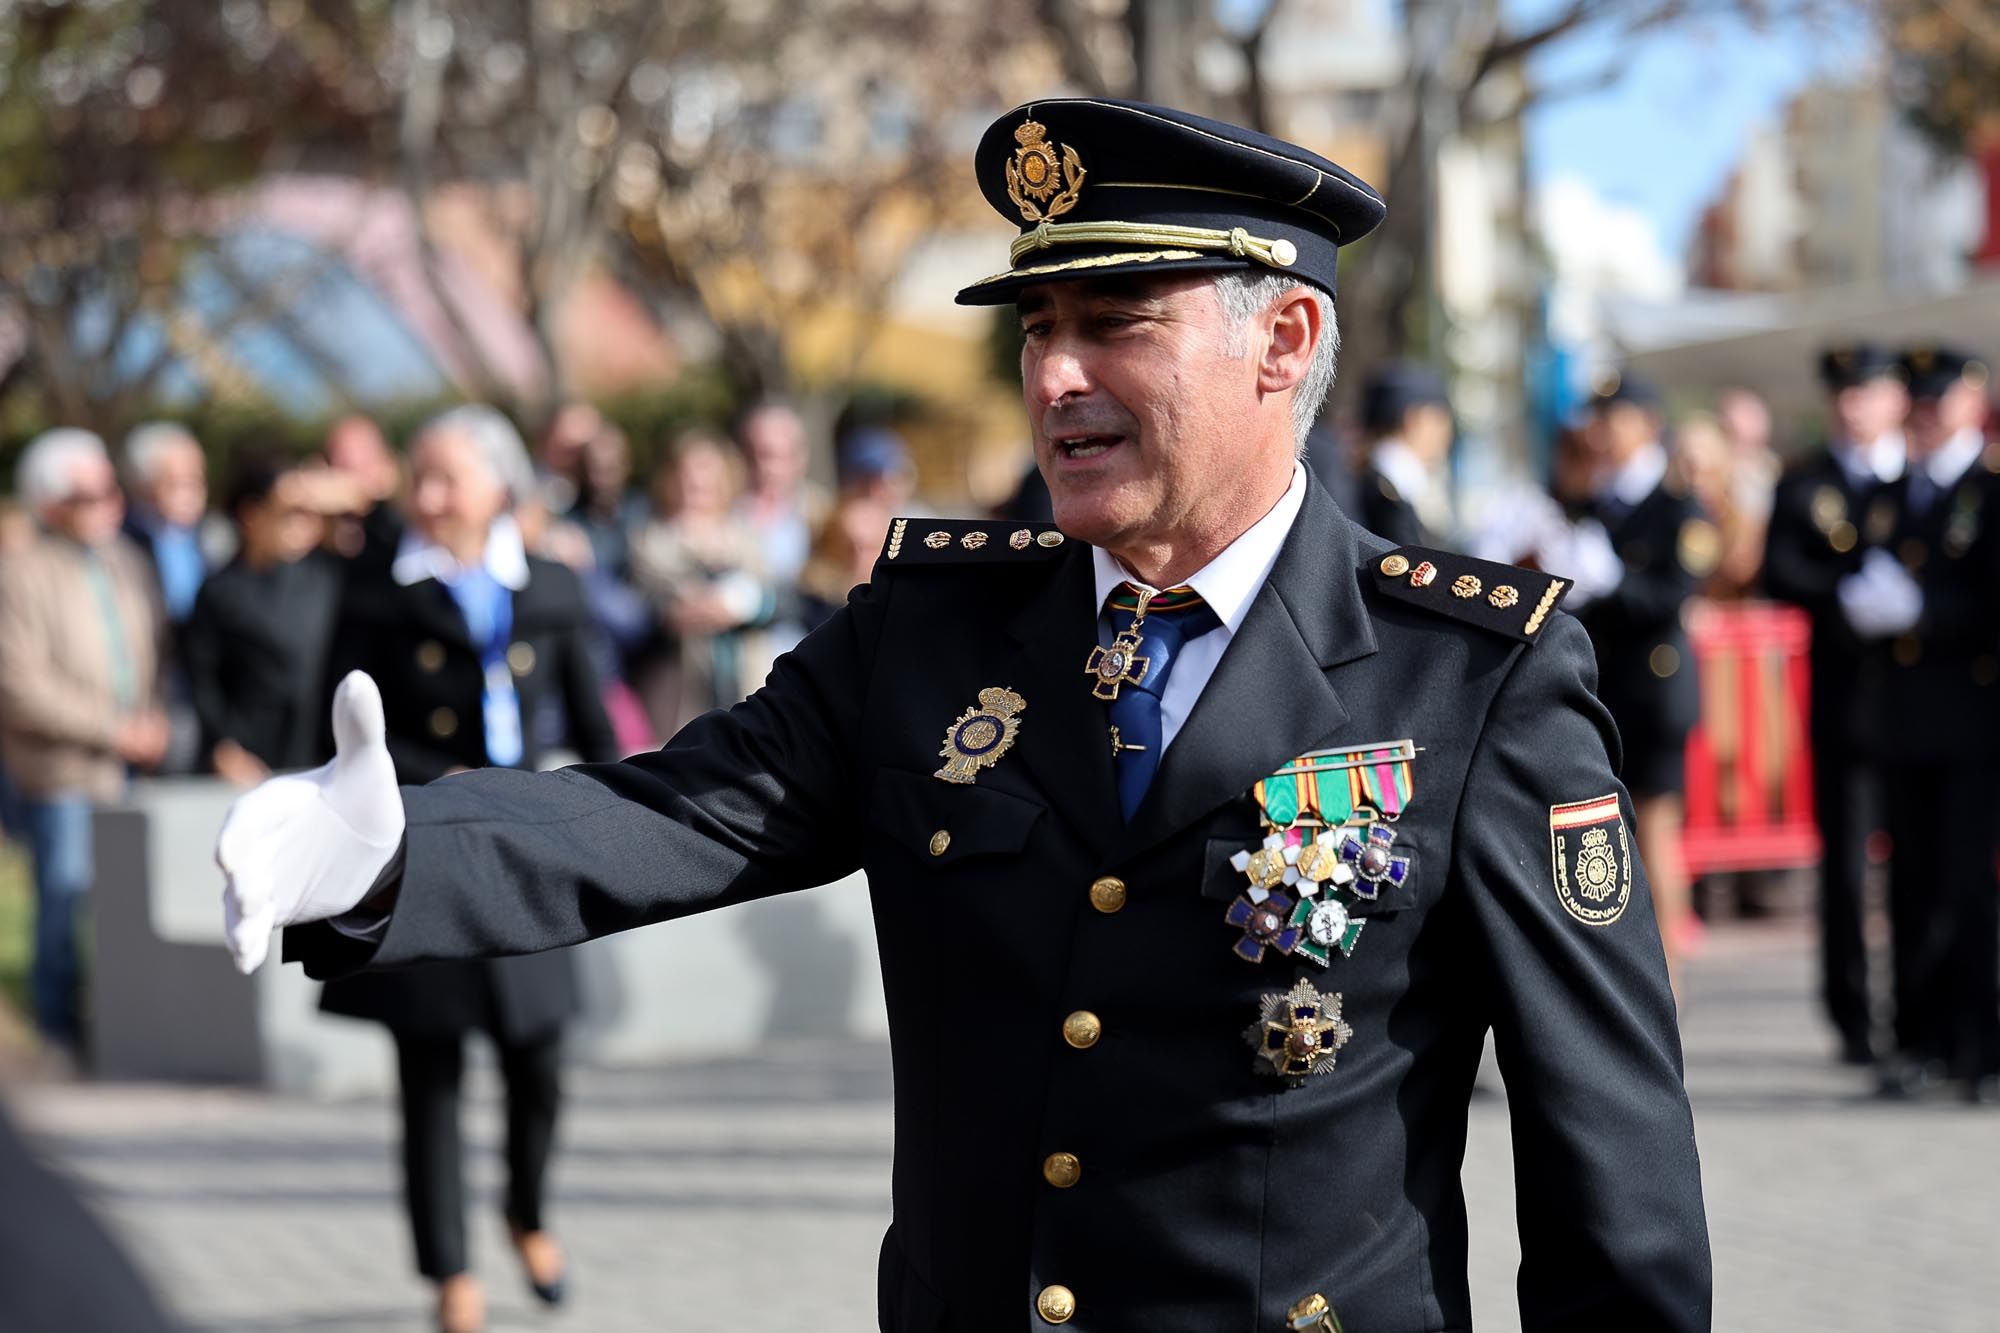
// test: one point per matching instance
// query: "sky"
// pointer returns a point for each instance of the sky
(1662, 139)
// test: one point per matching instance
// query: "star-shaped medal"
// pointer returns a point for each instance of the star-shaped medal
(1299, 1035)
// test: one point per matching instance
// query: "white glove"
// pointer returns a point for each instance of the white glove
(309, 846)
(1584, 552)
(1881, 600)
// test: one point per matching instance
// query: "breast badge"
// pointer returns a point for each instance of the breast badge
(981, 735)
(1326, 849)
(1591, 858)
(1300, 1034)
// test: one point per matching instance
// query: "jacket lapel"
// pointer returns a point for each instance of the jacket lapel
(1064, 739)
(1270, 698)
(431, 606)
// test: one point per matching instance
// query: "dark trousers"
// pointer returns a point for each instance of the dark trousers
(1944, 906)
(1847, 804)
(431, 1070)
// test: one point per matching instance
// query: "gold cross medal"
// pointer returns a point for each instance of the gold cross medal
(981, 735)
(1118, 665)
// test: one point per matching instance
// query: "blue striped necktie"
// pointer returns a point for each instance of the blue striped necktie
(1171, 620)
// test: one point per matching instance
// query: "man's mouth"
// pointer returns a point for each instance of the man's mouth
(1082, 447)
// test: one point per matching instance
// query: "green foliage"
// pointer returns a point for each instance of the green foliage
(17, 923)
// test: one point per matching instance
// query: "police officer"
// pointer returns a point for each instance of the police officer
(1403, 494)
(1925, 603)
(1664, 546)
(1208, 835)
(1828, 513)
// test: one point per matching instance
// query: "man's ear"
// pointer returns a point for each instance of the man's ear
(1295, 332)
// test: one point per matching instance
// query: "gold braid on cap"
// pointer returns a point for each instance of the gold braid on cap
(1236, 241)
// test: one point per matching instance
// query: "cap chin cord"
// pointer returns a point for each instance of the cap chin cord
(1236, 242)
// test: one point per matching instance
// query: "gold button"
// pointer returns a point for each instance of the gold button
(1056, 1305)
(1907, 649)
(1107, 895)
(444, 722)
(521, 659)
(1664, 660)
(1395, 566)
(1061, 1169)
(1082, 1029)
(1283, 253)
(1842, 536)
(940, 842)
(1051, 538)
(430, 657)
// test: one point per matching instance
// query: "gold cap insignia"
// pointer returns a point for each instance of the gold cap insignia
(1040, 186)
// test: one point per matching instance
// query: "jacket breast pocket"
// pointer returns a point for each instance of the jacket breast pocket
(945, 823)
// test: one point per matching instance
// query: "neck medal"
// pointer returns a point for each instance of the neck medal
(1326, 850)
(981, 735)
(1120, 664)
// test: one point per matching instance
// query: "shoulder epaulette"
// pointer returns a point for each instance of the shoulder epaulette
(962, 541)
(1505, 599)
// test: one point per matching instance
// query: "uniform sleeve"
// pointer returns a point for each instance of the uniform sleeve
(744, 803)
(1650, 597)
(1610, 1210)
(1791, 572)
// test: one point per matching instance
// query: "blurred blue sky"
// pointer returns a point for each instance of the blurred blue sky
(1664, 136)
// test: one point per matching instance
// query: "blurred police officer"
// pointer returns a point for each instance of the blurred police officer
(1829, 512)
(1151, 1071)
(1926, 603)
(1404, 493)
(1664, 546)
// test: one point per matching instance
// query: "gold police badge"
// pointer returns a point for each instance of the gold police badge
(981, 735)
(1041, 186)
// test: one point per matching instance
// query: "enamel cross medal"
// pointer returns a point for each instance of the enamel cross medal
(1120, 664)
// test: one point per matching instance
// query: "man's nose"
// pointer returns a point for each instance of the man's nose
(1057, 373)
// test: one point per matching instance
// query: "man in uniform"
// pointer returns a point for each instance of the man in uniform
(1404, 494)
(1828, 513)
(1663, 546)
(1925, 603)
(1208, 836)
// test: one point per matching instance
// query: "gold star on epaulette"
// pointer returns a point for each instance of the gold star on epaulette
(1505, 599)
(949, 541)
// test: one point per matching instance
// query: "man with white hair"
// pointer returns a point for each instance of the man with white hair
(80, 631)
(168, 477)
(1250, 826)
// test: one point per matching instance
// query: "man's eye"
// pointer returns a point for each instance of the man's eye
(1035, 329)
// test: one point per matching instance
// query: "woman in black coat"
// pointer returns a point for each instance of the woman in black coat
(468, 638)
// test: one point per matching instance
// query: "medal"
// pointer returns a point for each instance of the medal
(1326, 926)
(1299, 1035)
(1267, 866)
(1118, 665)
(1266, 923)
(981, 735)
(1367, 851)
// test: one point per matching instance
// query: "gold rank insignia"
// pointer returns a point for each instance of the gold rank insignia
(1040, 187)
(981, 735)
(1313, 1315)
(1299, 1035)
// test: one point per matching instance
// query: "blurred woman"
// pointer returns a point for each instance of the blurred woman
(258, 638)
(697, 563)
(466, 634)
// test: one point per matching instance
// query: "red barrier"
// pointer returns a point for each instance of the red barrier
(1749, 761)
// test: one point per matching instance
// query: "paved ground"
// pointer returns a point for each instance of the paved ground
(714, 1198)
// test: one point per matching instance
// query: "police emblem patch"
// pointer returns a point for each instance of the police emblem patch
(1591, 857)
(981, 735)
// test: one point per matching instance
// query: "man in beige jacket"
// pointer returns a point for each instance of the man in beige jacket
(80, 634)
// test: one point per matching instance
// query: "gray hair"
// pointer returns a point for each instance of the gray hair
(150, 442)
(498, 444)
(1245, 294)
(46, 473)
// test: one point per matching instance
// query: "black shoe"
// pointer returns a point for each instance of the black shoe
(551, 1292)
(1857, 1050)
(1983, 1090)
(1905, 1079)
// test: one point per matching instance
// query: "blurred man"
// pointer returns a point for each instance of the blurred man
(80, 633)
(1926, 604)
(559, 456)
(356, 448)
(1404, 492)
(1829, 511)
(1754, 468)
(781, 506)
(1664, 546)
(168, 476)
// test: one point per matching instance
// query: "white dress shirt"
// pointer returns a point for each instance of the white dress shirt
(1228, 583)
(1868, 464)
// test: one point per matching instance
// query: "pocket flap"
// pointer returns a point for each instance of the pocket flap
(946, 822)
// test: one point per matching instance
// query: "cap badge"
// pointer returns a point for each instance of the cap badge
(1041, 187)
(981, 735)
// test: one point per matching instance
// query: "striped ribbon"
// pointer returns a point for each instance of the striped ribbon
(1328, 786)
(1125, 597)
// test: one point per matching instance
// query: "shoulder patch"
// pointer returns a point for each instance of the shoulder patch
(1505, 599)
(961, 541)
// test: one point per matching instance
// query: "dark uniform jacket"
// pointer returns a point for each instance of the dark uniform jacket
(1061, 982)
(1937, 686)
(413, 641)
(1646, 674)
(1822, 523)
(256, 646)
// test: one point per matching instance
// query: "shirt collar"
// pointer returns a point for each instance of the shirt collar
(506, 559)
(1954, 458)
(1640, 476)
(1405, 471)
(1229, 582)
(1867, 464)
